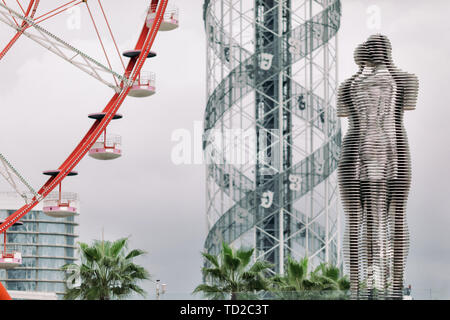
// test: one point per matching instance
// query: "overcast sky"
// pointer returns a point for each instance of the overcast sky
(45, 102)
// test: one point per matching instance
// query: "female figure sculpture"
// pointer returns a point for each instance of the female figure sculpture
(374, 170)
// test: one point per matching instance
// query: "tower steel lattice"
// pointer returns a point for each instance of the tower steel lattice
(271, 135)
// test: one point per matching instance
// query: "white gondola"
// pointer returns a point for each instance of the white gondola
(107, 148)
(170, 20)
(10, 260)
(61, 205)
(144, 86)
(10, 256)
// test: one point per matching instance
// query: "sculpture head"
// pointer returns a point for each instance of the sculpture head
(361, 55)
(379, 49)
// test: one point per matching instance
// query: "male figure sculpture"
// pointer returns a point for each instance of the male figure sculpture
(374, 170)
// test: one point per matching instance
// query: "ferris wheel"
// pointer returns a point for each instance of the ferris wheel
(30, 20)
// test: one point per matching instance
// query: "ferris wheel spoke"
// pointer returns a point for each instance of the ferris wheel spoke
(60, 47)
(55, 12)
(21, 8)
(100, 39)
(111, 34)
(13, 18)
(10, 17)
(31, 10)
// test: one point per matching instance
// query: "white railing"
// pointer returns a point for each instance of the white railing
(146, 78)
(10, 250)
(170, 14)
(71, 196)
(112, 141)
(66, 198)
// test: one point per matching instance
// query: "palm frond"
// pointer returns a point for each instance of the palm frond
(260, 266)
(231, 262)
(135, 253)
(215, 273)
(213, 259)
(117, 246)
(245, 256)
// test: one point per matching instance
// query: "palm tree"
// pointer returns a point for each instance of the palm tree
(329, 282)
(231, 274)
(324, 282)
(106, 272)
(294, 283)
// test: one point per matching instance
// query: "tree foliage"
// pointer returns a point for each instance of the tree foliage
(106, 272)
(231, 274)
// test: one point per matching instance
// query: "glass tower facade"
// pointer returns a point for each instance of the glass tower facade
(46, 244)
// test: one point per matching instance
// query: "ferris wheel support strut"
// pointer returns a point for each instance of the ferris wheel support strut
(10, 174)
(56, 45)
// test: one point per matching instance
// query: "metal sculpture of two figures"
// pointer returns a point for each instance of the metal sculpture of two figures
(375, 170)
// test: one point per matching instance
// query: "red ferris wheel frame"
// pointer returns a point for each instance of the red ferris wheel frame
(31, 11)
(133, 68)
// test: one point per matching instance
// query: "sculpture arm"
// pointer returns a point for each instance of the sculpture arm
(410, 92)
(344, 99)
